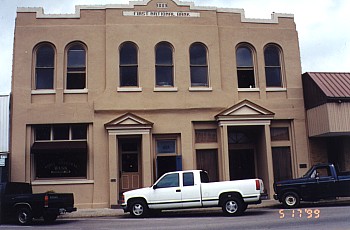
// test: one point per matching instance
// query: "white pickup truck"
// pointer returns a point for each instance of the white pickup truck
(191, 189)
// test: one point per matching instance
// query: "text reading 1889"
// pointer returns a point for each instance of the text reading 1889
(299, 213)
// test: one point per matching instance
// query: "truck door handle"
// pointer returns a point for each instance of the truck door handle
(178, 190)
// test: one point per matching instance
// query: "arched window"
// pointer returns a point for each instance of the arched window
(245, 67)
(164, 64)
(199, 65)
(76, 66)
(44, 66)
(273, 71)
(128, 64)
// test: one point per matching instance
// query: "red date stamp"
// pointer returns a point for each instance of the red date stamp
(308, 213)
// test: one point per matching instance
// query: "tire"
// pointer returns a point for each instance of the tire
(49, 218)
(139, 208)
(24, 216)
(290, 200)
(233, 206)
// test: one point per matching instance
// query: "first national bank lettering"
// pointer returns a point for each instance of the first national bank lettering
(160, 14)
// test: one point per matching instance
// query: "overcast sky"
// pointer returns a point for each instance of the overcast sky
(323, 27)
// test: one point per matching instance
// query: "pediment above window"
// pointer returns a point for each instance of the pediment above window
(245, 113)
(128, 121)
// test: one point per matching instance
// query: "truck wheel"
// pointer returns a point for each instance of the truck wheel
(233, 206)
(49, 218)
(24, 216)
(290, 200)
(138, 208)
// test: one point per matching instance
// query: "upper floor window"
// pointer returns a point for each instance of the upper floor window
(164, 65)
(199, 65)
(128, 64)
(44, 66)
(273, 72)
(76, 66)
(245, 67)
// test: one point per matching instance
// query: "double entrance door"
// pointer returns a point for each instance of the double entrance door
(129, 158)
(242, 164)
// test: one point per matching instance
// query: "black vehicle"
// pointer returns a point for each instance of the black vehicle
(18, 202)
(322, 181)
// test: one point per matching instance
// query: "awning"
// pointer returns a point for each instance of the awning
(58, 146)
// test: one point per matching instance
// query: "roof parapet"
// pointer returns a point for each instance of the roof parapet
(40, 11)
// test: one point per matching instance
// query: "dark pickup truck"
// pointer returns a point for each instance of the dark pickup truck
(18, 202)
(322, 181)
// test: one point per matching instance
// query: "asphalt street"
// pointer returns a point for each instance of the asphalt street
(319, 216)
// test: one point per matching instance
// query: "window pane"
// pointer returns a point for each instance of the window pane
(42, 132)
(45, 56)
(171, 180)
(205, 135)
(164, 54)
(199, 76)
(166, 146)
(54, 164)
(279, 134)
(188, 179)
(245, 78)
(128, 76)
(76, 58)
(273, 77)
(198, 54)
(44, 78)
(271, 54)
(76, 81)
(130, 163)
(244, 57)
(282, 169)
(79, 132)
(128, 54)
(164, 76)
(61, 132)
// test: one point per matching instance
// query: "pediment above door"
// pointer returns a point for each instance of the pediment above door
(128, 121)
(245, 113)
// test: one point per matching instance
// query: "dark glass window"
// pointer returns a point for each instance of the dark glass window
(279, 134)
(79, 132)
(245, 67)
(164, 65)
(76, 67)
(205, 135)
(67, 164)
(199, 65)
(188, 179)
(43, 133)
(44, 67)
(128, 64)
(60, 132)
(273, 71)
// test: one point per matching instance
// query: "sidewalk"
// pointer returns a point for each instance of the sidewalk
(108, 212)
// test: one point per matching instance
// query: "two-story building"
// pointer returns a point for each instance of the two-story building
(111, 97)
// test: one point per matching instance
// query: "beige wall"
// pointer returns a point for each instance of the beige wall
(103, 31)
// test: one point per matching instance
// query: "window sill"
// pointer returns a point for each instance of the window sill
(129, 89)
(62, 182)
(248, 90)
(75, 91)
(200, 89)
(276, 89)
(165, 89)
(43, 91)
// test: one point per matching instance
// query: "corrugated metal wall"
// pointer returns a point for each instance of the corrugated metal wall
(4, 123)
